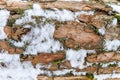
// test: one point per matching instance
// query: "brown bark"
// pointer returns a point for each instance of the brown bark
(98, 20)
(47, 57)
(12, 50)
(104, 57)
(108, 70)
(15, 32)
(78, 6)
(78, 35)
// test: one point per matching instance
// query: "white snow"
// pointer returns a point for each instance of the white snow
(102, 30)
(107, 64)
(76, 58)
(17, 43)
(13, 69)
(114, 22)
(105, 76)
(2, 33)
(65, 71)
(60, 15)
(91, 51)
(40, 39)
(4, 14)
(115, 7)
(111, 45)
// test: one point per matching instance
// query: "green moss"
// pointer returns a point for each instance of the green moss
(70, 74)
(62, 40)
(94, 64)
(10, 22)
(17, 11)
(90, 76)
(100, 65)
(58, 61)
(117, 16)
(95, 29)
(20, 11)
(113, 65)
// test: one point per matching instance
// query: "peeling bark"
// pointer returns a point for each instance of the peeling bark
(104, 57)
(15, 32)
(77, 36)
(12, 50)
(47, 58)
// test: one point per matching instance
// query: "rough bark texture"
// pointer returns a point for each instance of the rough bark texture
(104, 57)
(47, 57)
(80, 34)
(4, 45)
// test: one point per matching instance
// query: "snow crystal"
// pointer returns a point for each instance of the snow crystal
(13, 69)
(102, 31)
(76, 58)
(111, 45)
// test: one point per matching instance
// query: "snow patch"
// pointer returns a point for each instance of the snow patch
(109, 63)
(40, 39)
(105, 76)
(17, 43)
(4, 15)
(65, 71)
(102, 31)
(111, 45)
(2, 33)
(76, 58)
(13, 69)
(115, 7)
(60, 15)
(114, 22)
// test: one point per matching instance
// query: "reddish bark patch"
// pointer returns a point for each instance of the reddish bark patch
(47, 57)
(77, 36)
(12, 50)
(98, 20)
(78, 6)
(104, 57)
(15, 32)
(112, 33)
(108, 70)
